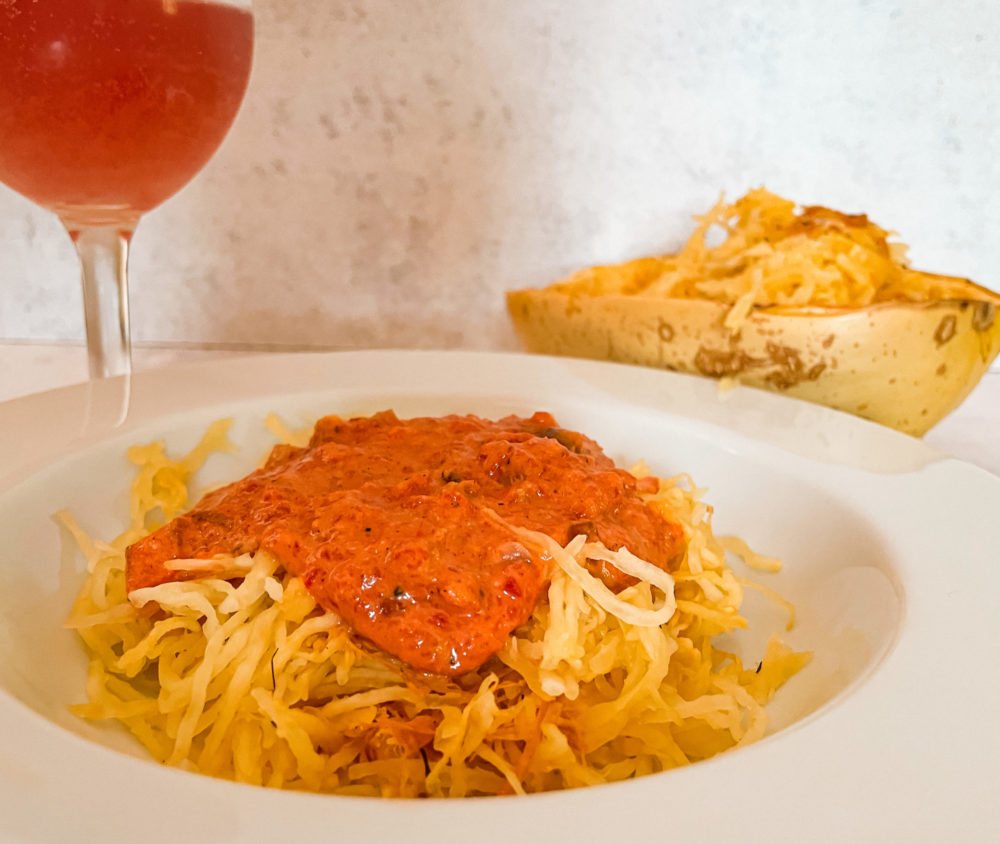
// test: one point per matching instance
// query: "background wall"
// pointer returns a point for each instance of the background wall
(398, 165)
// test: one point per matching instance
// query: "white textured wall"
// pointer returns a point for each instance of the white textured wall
(398, 165)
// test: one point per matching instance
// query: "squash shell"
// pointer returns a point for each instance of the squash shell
(903, 364)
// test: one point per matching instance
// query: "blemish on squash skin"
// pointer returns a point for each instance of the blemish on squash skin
(828, 341)
(983, 316)
(666, 331)
(946, 329)
(815, 371)
(790, 370)
(717, 363)
(941, 369)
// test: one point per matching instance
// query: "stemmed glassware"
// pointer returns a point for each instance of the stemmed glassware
(107, 108)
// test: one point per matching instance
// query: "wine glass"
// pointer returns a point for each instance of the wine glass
(107, 108)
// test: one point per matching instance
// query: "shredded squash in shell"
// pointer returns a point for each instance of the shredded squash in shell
(808, 302)
(240, 675)
(773, 253)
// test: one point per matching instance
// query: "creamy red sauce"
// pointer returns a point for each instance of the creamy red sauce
(386, 523)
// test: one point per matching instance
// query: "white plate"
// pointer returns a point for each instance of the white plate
(891, 554)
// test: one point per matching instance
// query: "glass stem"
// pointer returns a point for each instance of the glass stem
(103, 252)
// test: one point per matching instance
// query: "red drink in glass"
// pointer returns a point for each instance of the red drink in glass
(108, 107)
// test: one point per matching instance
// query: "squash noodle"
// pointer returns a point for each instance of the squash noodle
(762, 251)
(238, 674)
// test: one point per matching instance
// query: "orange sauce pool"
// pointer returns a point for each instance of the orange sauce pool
(387, 522)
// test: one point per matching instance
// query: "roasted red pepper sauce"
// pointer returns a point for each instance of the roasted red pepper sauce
(384, 520)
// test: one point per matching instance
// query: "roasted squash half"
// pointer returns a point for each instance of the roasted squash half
(811, 303)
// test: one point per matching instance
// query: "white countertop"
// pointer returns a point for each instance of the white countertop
(972, 432)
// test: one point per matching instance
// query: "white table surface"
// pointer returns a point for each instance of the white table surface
(971, 433)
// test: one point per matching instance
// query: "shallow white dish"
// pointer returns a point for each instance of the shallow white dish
(892, 556)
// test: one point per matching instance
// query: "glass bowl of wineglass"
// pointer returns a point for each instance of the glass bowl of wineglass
(107, 108)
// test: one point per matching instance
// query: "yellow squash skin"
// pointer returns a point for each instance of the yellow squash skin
(903, 364)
